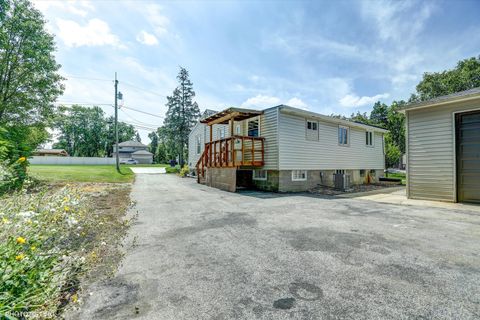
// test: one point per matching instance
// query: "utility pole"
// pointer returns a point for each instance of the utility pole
(117, 160)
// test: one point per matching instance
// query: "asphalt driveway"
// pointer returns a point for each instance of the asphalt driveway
(200, 253)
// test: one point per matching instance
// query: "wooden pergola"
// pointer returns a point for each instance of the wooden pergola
(225, 152)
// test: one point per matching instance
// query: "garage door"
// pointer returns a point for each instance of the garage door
(468, 156)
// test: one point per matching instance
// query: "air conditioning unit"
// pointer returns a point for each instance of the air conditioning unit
(342, 181)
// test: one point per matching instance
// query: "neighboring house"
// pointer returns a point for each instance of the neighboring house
(288, 149)
(200, 135)
(133, 150)
(443, 148)
(50, 153)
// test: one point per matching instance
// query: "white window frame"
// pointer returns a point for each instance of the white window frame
(296, 175)
(370, 137)
(198, 141)
(248, 126)
(262, 177)
(311, 131)
(221, 133)
(238, 130)
(348, 136)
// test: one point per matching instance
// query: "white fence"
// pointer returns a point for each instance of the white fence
(71, 160)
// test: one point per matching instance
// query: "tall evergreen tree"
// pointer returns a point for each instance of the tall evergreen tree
(182, 113)
(153, 144)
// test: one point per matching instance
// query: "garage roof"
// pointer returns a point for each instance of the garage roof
(466, 95)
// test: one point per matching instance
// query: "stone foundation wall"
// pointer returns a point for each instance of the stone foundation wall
(222, 178)
(271, 184)
(282, 180)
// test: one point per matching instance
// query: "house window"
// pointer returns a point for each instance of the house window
(221, 133)
(312, 125)
(253, 128)
(340, 171)
(199, 144)
(343, 135)
(238, 130)
(369, 138)
(259, 174)
(312, 130)
(362, 172)
(299, 175)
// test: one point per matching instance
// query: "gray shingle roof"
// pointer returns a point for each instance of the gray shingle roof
(131, 143)
(142, 152)
(471, 93)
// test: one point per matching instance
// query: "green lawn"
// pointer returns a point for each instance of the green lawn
(400, 176)
(80, 173)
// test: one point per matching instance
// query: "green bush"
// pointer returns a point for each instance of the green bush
(184, 171)
(15, 148)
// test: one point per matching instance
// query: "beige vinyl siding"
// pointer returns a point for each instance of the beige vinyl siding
(296, 152)
(431, 151)
(269, 130)
(204, 131)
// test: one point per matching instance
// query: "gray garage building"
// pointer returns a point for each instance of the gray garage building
(443, 148)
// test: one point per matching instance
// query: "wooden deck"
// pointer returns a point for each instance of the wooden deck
(231, 152)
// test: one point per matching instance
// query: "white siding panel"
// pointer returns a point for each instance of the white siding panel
(204, 131)
(431, 151)
(296, 152)
(269, 130)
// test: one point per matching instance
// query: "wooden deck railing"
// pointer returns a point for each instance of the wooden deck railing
(235, 151)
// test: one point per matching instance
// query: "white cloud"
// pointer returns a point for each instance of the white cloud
(79, 8)
(261, 101)
(352, 100)
(95, 33)
(147, 38)
(297, 103)
(157, 20)
(391, 19)
(264, 101)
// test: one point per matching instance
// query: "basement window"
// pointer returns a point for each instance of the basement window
(260, 175)
(362, 173)
(369, 138)
(299, 175)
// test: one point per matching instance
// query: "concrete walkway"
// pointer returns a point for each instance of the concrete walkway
(200, 253)
(148, 170)
(400, 197)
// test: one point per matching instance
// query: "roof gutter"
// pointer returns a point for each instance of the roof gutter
(309, 114)
(446, 101)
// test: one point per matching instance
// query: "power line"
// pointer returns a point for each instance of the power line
(83, 104)
(140, 122)
(145, 90)
(87, 78)
(150, 114)
(122, 82)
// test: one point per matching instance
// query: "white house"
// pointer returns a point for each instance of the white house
(133, 150)
(286, 149)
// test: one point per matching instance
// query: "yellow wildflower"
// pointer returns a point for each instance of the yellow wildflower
(22, 159)
(20, 257)
(66, 208)
(33, 248)
(74, 298)
(4, 220)
(21, 240)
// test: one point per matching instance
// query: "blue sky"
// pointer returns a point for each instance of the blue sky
(324, 56)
